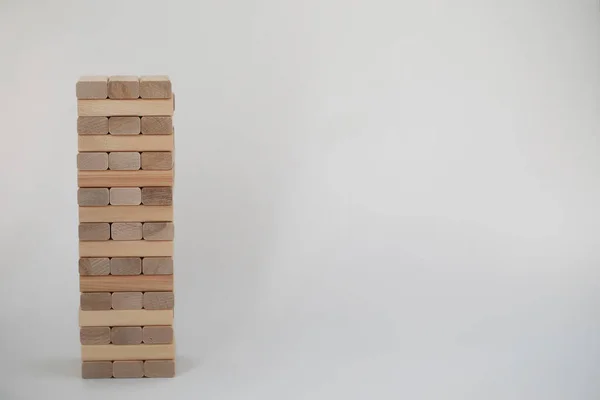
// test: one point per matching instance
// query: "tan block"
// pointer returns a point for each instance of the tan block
(124, 178)
(158, 231)
(128, 369)
(94, 231)
(126, 213)
(125, 265)
(92, 197)
(159, 300)
(92, 87)
(125, 317)
(126, 335)
(124, 125)
(92, 125)
(157, 125)
(157, 334)
(127, 300)
(94, 266)
(125, 143)
(94, 335)
(92, 161)
(96, 369)
(123, 87)
(159, 368)
(124, 108)
(157, 160)
(135, 283)
(134, 352)
(95, 301)
(125, 196)
(155, 87)
(130, 248)
(157, 196)
(126, 231)
(121, 161)
(157, 266)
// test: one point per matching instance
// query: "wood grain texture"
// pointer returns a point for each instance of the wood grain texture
(94, 266)
(126, 335)
(157, 266)
(125, 196)
(157, 160)
(128, 369)
(92, 125)
(92, 161)
(96, 369)
(159, 300)
(124, 161)
(124, 178)
(158, 231)
(124, 125)
(92, 197)
(157, 125)
(157, 196)
(157, 334)
(125, 318)
(155, 87)
(138, 283)
(125, 265)
(126, 231)
(95, 301)
(91, 335)
(123, 87)
(124, 108)
(125, 143)
(127, 300)
(134, 352)
(92, 87)
(114, 248)
(159, 368)
(94, 231)
(126, 213)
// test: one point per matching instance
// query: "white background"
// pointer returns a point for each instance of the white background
(374, 199)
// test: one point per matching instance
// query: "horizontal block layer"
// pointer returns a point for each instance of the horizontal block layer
(128, 369)
(101, 143)
(134, 248)
(126, 266)
(99, 335)
(96, 301)
(125, 283)
(125, 108)
(125, 318)
(126, 213)
(114, 352)
(96, 179)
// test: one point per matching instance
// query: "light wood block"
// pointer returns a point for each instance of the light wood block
(92, 87)
(159, 369)
(94, 231)
(94, 266)
(126, 231)
(126, 213)
(92, 161)
(158, 231)
(115, 248)
(96, 369)
(138, 283)
(159, 300)
(155, 87)
(125, 318)
(92, 125)
(95, 301)
(127, 300)
(124, 108)
(94, 335)
(134, 352)
(124, 161)
(125, 143)
(157, 160)
(157, 125)
(124, 125)
(125, 196)
(126, 335)
(128, 369)
(157, 334)
(124, 178)
(157, 196)
(92, 197)
(157, 266)
(123, 87)
(125, 265)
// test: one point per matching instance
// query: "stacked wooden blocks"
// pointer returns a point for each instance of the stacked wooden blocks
(125, 178)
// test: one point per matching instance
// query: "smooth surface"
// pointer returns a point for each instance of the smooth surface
(126, 213)
(125, 108)
(124, 178)
(125, 318)
(125, 143)
(135, 248)
(127, 352)
(125, 283)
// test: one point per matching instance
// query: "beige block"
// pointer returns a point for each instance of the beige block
(94, 266)
(157, 125)
(124, 108)
(92, 197)
(125, 143)
(157, 160)
(157, 265)
(127, 300)
(124, 178)
(125, 265)
(126, 231)
(126, 335)
(94, 231)
(94, 335)
(157, 334)
(95, 301)
(92, 125)
(125, 196)
(125, 317)
(96, 369)
(134, 352)
(159, 368)
(92, 87)
(123, 87)
(155, 87)
(128, 369)
(130, 248)
(92, 161)
(124, 161)
(157, 196)
(159, 300)
(126, 213)
(124, 125)
(158, 231)
(135, 283)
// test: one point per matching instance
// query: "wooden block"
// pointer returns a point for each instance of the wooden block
(92, 87)
(133, 352)
(125, 143)
(94, 335)
(157, 196)
(157, 160)
(126, 213)
(159, 369)
(126, 335)
(94, 231)
(128, 369)
(115, 248)
(124, 125)
(127, 300)
(92, 161)
(125, 265)
(158, 231)
(92, 197)
(123, 87)
(157, 266)
(125, 318)
(159, 300)
(127, 231)
(125, 196)
(95, 301)
(124, 108)
(94, 266)
(92, 125)
(157, 334)
(157, 125)
(96, 369)
(122, 160)
(155, 87)
(137, 283)
(124, 178)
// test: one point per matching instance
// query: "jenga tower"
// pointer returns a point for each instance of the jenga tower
(125, 178)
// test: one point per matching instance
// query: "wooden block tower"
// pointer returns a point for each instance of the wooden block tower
(125, 196)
